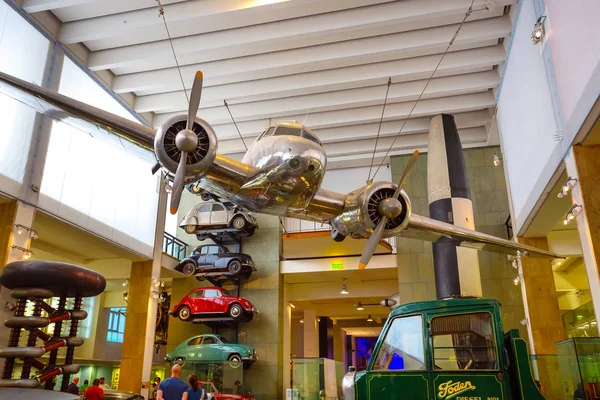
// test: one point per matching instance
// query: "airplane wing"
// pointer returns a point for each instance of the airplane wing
(134, 137)
(96, 122)
(432, 230)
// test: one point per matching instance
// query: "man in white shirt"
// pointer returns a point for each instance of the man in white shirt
(103, 385)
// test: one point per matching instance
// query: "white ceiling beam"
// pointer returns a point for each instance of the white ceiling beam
(361, 97)
(226, 133)
(262, 66)
(332, 80)
(32, 6)
(104, 7)
(158, 54)
(380, 26)
(197, 16)
(365, 146)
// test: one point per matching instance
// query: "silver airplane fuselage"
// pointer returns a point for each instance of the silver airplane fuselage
(288, 172)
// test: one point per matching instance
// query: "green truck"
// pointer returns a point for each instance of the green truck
(445, 350)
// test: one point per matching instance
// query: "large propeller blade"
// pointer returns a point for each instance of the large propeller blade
(186, 142)
(388, 208)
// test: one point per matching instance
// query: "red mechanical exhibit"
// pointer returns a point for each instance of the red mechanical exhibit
(34, 282)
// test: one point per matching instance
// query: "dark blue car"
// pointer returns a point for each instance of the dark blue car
(210, 260)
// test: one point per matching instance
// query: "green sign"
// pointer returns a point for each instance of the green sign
(337, 266)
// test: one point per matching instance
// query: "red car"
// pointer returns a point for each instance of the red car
(212, 389)
(213, 302)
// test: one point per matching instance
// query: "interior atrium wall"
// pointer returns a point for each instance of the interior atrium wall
(25, 62)
(490, 206)
(526, 119)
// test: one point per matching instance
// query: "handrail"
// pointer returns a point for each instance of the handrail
(174, 247)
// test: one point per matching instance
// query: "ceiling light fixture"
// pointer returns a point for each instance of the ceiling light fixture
(496, 160)
(359, 307)
(538, 30)
(567, 186)
(573, 212)
(291, 304)
(302, 321)
(126, 282)
(517, 280)
(26, 252)
(22, 229)
(344, 288)
(369, 318)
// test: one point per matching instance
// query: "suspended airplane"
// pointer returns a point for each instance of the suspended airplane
(281, 173)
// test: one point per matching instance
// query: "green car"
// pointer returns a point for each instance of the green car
(212, 348)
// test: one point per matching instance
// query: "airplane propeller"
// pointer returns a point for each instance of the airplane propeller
(388, 208)
(186, 142)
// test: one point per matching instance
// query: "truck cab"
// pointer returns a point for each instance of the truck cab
(446, 349)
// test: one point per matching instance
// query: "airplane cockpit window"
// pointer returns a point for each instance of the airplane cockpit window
(268, 132)
(288, 131)
(311, 137)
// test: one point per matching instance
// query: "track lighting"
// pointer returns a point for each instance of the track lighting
(369, 318)
(302, 321)
(344, 288)
(538, 30)
(126, 282)
(26, 252)
(573, 212)
(22, 229)
(496, 160)
(515, 264)
(291, 304)
(168, 188)
(318, 319)
(359, 307)
(567, 186)
(517, 280)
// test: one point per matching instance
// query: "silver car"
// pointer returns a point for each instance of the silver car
(213, 215)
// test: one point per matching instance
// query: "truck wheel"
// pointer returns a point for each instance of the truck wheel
(190, 229)
(184, 313)
(236, 311)
(234, 360)
(189, 269)
(235, 267)
(239, 222)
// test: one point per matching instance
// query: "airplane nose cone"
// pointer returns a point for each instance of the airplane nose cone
(390, 207)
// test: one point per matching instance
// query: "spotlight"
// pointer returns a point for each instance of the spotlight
(168, 188)
(568, 185)
(126, 282)
(125, 296)
(34, 235)
(496, 160)
(574, 211)
(515, 264)
(538, 30)
(302, 321)
(318, 319)
(26, 255)
(155, 295)
(291, 304)
(344, 288)
(370, 319)
(162, 284)
(517, 280)
(20, 230)
(359, 307)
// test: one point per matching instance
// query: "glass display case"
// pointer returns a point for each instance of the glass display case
(579, 361)
(316, 379)
(225, 377)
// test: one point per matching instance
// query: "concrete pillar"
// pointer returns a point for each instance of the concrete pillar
(12, 213)
(583, 164)
(311, 334)
(354, 355)
(338, 342)
(287, 341)
(543, 315)
(140, 320)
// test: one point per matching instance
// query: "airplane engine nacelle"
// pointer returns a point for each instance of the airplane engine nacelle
(199, 160)
(361, 212)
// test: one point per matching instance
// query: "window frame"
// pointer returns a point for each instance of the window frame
(216, 341)
(494, 335)
(376, 350)
(218, 294)
(208, 206)
(215, 208)
(118, 313)
(197, 294)
(196, 341)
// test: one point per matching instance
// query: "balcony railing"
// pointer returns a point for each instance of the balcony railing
(293, 225)
(174, 247)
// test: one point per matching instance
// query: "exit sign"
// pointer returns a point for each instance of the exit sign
(337, 266)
